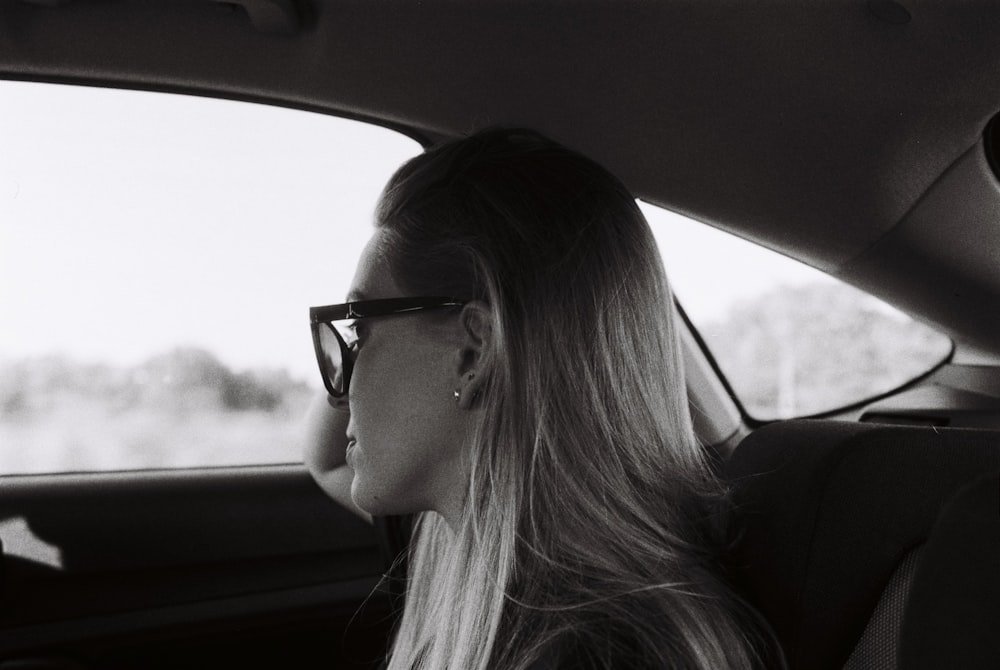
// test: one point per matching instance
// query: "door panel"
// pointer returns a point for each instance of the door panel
(236, 565)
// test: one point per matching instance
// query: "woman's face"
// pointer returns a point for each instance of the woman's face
(406, 433)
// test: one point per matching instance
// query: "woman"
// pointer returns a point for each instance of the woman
(527, 400)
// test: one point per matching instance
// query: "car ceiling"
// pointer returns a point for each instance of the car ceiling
(846, 134)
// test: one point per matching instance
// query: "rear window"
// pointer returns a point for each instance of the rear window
(791, 340)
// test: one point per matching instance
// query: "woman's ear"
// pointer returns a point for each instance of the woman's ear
(476, 342)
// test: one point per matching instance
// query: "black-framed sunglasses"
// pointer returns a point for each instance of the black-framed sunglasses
(335, 337)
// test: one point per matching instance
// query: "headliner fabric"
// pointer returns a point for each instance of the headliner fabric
(828, 511)
(953, 617)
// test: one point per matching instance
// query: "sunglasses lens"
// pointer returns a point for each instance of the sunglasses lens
(331, 360)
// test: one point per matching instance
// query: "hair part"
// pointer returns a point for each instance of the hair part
(593, 521)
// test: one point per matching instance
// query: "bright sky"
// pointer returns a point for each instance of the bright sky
(131, 223)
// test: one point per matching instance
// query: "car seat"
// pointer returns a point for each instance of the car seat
(833, 518)
(953, 612)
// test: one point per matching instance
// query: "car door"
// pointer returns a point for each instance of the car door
(223, 567)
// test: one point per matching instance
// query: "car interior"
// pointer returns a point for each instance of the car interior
(859, 137)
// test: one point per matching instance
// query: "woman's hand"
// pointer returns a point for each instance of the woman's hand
(325, 448)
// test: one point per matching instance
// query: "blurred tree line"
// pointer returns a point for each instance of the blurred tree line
(184, 380)
(790, 352)
(818, 347)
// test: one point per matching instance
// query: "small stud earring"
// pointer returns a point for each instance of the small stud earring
(458, 395)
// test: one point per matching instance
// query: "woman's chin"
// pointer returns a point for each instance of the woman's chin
(377, 504)
(358, 495)
(367, 499)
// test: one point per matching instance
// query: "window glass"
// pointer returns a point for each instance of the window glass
(791, 340)
(158, 255)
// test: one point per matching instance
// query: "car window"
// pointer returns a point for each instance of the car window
(158, 255)
(791, 340)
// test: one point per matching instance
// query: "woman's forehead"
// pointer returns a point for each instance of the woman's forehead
(372, 278)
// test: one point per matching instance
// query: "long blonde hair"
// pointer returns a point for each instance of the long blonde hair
(593, 521)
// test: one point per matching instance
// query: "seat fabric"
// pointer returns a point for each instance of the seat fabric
(878, 648)
(828, 510)
(953, 615)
